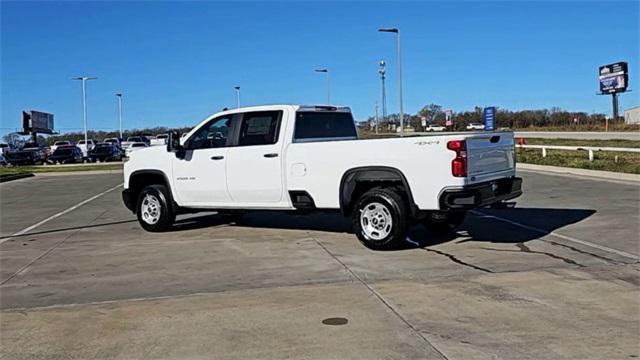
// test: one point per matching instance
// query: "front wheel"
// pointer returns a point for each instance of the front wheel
(155, 211)
(379, 219)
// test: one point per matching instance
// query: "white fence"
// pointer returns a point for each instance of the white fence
(590, 149)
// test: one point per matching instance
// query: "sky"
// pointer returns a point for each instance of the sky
(177, 62)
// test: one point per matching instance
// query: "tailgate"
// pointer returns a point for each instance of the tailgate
(489, 153)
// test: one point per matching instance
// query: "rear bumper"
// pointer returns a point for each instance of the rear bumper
(479, 195)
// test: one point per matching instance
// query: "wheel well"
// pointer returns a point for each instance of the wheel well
(139, 180)
(356, 182)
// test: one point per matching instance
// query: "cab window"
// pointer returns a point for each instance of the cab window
(214, 134)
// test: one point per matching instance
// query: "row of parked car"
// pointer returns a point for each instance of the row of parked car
(66, 152)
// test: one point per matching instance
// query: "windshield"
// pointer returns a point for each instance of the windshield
(136, 138)
(138, 145)
(317, 125)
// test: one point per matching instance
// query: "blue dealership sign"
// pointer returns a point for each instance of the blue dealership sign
(489, 117)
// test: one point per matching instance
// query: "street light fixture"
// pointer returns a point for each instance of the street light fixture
(237, 96)
(84, 105)
(397, 32)
(328, 84)
(119, 95)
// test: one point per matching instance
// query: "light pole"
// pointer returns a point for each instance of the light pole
(84, 105)
(328, 84)
(237, 96)
(397, 32)
(119, 95)
(382, 71)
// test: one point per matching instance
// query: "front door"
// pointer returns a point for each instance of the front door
(254, 169)
(200, 178)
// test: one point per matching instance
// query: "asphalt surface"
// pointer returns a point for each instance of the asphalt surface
(556, 277)
(585, 135)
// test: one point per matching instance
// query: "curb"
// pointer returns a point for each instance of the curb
(594, 174)
(84, 172)
(15, 177)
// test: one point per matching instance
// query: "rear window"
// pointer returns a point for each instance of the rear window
(138, 145)
(63, 151)
(316, 125)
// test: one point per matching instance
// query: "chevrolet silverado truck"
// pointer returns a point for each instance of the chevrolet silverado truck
(309, 158)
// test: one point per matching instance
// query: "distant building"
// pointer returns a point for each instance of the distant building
(632, 115)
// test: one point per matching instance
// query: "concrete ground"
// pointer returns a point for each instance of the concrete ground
(557, 277)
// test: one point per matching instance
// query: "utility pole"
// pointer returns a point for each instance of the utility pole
(397, 32)
(237, 96)
(382, 71)
(119, 95)
(376, 117)
(84, 105)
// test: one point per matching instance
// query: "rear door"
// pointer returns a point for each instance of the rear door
(490, 153)
(254, 166)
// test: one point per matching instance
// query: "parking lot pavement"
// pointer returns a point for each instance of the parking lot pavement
(556, 277)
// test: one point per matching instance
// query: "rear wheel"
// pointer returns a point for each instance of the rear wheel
(154, 209)
(442, 222)
(379, 219)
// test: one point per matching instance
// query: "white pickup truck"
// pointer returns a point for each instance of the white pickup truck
(308, 158)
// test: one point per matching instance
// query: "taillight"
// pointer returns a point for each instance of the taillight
(459, 164)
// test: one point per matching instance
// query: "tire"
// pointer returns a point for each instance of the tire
(379, 219)
(443, 222)
(154, 208)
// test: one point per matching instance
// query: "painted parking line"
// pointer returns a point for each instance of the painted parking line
(560, 236)
(57, 215)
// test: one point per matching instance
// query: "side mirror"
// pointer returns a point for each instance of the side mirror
(173, 144)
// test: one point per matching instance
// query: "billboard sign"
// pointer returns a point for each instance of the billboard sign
(489, 118)
(37, 121)
(448, 118)
(614, 78)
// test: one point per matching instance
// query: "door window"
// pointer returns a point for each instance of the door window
(214, 134)
(259, 128)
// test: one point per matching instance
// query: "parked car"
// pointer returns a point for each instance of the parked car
(66, 154)
(105, 152)
(133, 147)
(30, 154)
(86, 147)
(113, 140)
(475, 126)
(4, 148)
(131, 140)
(308, 158)
(159, 140)
(435, 127)
(59, 143)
